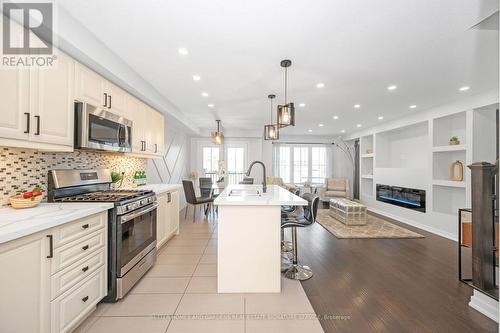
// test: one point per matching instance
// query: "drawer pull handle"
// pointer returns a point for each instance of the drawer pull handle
(86, 268)
(86, 247)
(85, 299)
(85, 226)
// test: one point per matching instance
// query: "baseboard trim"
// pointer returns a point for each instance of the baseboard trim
(484, 304)
(415, 224)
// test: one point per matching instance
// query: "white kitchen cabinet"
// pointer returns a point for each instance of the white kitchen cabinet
(37, 106)
(135, 112)
(117, 99)
(51, 103)
(14, 99)
(52, 280)
(167, 222)
(158, 137)
(25, 285)
(90, 86)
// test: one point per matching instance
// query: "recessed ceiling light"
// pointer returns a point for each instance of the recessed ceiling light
(358, 125)
(335, 117)
(196, 78)
(302, 105)
(465, 88)
(380, 118)
(183, 51)
(393, 87)
(309, 130)
(204, 94)
(211, 105)
(320, 85)
(343, 131)
(321, 125)
(357, 106)
(413, 106)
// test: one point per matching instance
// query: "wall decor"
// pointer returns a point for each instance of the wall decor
(454, 140)
(457, 171)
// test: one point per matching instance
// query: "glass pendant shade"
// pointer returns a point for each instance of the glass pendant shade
(218, 136)
(271, 132)
(286, 115)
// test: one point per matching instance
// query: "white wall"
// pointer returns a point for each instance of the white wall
(443, 224)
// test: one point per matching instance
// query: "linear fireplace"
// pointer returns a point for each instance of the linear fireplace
(401, 196)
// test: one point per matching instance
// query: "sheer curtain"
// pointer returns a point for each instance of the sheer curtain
(302, 162)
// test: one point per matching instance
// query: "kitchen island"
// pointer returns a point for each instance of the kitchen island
(249, 238)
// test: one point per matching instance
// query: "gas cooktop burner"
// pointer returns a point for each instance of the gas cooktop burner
(107, 196)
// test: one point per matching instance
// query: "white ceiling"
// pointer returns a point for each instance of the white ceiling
(356, 47)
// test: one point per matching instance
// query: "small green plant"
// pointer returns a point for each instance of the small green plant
(454, 140)
(115, 177)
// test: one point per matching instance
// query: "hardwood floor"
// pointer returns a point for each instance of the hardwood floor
(388, 285)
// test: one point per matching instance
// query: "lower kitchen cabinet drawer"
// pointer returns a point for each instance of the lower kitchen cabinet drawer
(75, 251)
(78, 229)
(78, 302)
(72, 275)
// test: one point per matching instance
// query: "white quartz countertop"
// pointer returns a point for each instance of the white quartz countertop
(160, 188)
(252, 195)
(17, 223)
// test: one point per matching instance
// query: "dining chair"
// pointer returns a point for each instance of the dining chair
(192, 200)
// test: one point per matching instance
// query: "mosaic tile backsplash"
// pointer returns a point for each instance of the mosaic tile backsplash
(21, 169)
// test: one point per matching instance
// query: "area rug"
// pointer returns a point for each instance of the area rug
(375, 228)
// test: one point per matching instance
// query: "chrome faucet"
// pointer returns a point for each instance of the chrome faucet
(264, 184)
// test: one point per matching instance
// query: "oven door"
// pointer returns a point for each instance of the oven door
(101, 129)
(136, 237)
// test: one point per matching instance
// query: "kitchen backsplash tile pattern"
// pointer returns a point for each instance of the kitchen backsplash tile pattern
(21, 169)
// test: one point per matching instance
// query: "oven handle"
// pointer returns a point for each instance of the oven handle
(126, 218)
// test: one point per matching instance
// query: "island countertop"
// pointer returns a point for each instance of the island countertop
(17, 223)
(252, 195)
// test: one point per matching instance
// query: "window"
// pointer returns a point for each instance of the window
(300, 164)
(284, 164)
(210, 159)
(318, 164)
(235, 164)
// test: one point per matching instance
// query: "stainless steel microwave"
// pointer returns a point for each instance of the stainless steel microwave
(100, 129)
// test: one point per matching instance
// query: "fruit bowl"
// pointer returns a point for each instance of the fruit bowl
(18, 201)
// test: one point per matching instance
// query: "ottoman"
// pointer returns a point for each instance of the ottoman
(347, 211)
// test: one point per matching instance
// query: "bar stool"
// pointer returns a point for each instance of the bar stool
(296, 271)
(286, 211)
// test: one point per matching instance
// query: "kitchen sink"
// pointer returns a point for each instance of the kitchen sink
(244, 193)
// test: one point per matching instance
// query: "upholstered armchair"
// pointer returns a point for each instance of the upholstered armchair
(335, 188)
(278, 181)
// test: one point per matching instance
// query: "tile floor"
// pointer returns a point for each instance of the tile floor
(179, 294)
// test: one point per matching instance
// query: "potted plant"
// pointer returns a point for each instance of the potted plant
(115, 178)
(454, 140)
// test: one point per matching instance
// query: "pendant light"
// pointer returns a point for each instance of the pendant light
(271, 131)
(286, 112)
(218, 136)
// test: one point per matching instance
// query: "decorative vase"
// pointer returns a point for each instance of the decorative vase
(454, 141)
(457, 171)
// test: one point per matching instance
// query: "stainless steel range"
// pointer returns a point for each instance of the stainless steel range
(131, 223)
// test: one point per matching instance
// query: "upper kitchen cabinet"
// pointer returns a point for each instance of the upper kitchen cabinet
(159, 133)
(96, 90)
(51, 102)
(90, 86)
(37, 106)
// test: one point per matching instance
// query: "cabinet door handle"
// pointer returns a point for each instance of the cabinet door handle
(86, 268)
(27, 122)
(51, 246)
(109, 106)
(86, 247)
(145, 146)
(85, 299)
(37, 125)
(105, 100)
(156, 147)
(85, 226)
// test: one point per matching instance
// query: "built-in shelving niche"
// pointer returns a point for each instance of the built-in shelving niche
(366, 165)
